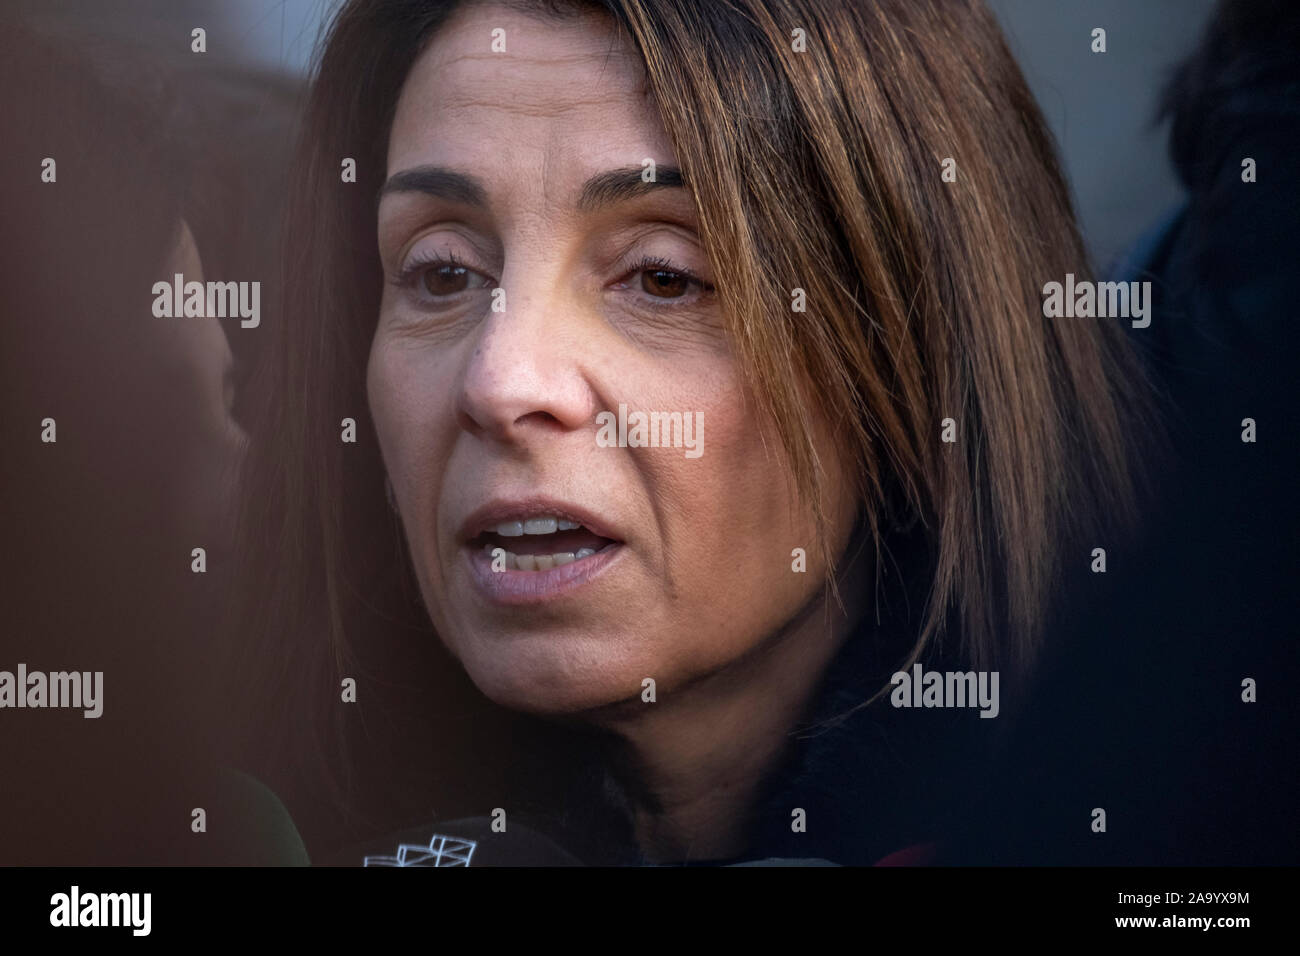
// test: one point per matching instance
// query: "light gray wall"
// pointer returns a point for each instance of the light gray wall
(275, 33)
(1100, 105)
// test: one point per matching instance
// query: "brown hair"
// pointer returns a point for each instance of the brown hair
(817, 169)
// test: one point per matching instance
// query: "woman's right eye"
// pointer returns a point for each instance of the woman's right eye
(446, 279)
(441, 278)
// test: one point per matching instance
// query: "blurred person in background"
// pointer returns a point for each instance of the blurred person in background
(150, 177)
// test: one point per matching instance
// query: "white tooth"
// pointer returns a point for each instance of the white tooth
(568, 525)
(510, 529)
(512, 561)
(526, 562)
(544, 562)
(584, 553)
(564, 557)
(540, 526)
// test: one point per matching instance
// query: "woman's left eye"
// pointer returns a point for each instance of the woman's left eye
(665, 284)
(660, 280)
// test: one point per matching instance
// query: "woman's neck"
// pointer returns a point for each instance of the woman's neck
(692, 764)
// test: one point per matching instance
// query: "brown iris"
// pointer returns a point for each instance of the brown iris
(665, 284)
(446, 280)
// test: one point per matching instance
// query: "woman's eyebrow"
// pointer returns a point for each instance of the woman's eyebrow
(436, 181)
(602, 189)
(619, 185)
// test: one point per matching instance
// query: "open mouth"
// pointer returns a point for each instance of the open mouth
(540, 543)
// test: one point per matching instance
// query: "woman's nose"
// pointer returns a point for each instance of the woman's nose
(524, 376)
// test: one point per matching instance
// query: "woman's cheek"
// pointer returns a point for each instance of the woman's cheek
(401, 414)
(407, 398)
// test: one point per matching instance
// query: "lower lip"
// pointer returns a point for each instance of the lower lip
(520, 588)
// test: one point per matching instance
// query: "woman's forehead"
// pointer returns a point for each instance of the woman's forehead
(553, 102)
(521, 67)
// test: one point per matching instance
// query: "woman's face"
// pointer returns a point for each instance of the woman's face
(535, 281)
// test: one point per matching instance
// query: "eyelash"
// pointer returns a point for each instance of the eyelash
(410, 273)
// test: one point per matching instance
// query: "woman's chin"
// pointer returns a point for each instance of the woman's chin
(551, 682)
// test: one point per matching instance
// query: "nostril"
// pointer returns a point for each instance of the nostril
(539, 418)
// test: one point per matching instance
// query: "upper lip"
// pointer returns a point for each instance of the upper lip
(498, 510)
